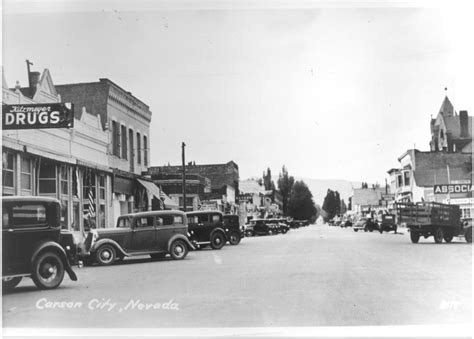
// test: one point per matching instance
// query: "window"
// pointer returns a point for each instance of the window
(8, 170)
(164, 220)
(29, 215)
(102, 216)
(124, 142)
(193, 219)
(115, 139)
(26, 174)
(178, 219)
(47, 178)
(466, 213)
(139, 149)
(145, 151)
(406, 176)
(102, 187)
(89, 201)
(123, 222)
(203, 218)
(216, 218)
(132, 160)
(64, 180)
(64, 215)
(76, 216)
(399, 181)
(145, 221)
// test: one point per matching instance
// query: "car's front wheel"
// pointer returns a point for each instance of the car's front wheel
(10, 283)
(105, 255)
(178, 250)
(234, 238)
(217, 240)
(284, 230)
(47, 271)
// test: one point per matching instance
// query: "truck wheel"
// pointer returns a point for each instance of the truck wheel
(217, 240)
(414, 237)
(178, 250)
(105, 255)
(47, 270)
(468, 235)
(10, 283)
(448, 238)
(438, 235)
(234, 238)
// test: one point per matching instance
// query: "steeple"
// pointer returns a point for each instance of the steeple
(447, 108)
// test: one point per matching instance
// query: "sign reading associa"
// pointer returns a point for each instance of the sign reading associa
(36, 116)
(454, 188)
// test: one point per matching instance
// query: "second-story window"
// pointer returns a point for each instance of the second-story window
(115, 139)
(139, 149)
(399, 181)
(406, 178)
(124, 142)
(145, 150)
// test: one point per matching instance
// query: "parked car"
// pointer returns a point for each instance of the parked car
(295, 224)
(33, 244)
(466, 224)
(282, 226)
(207, 228)
(232, 228)
(156, 233)
(346, 223)
(366, 224)
(261, 227)
(388, 223)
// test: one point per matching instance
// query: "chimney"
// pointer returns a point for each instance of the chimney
(464, 124)
(34, 80)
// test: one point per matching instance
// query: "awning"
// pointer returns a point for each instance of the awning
(159, 194)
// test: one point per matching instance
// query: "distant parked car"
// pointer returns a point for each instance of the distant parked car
(366, 224)
(206, 228)
(346, 223)
(282, 226)
(388, 223)
(33, 244)
(232, 228)
(156, 233)
(261, 227)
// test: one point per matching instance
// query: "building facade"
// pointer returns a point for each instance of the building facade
(443, 174)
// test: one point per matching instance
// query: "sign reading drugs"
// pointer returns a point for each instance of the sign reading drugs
(36, 116)
(455, 188)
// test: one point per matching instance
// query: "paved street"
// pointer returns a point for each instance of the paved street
(313, 276)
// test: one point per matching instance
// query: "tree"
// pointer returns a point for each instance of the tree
(300, 204)
(343, 207)
(332, 204)
(267, 180)
(285, 184)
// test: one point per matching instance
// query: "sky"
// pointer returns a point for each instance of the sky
(330, 90)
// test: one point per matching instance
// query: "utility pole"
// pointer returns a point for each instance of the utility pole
(184, 177)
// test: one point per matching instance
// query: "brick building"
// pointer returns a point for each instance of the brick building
(443, 174)
(224, 183)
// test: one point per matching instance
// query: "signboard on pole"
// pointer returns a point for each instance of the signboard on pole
(38, 116)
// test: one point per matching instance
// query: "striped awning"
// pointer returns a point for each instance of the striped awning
(159, 194)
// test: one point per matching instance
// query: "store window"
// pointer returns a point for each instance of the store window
(102, 203)
(8, 170)
(64, 215)
(47, 178)
(26, 177)
(89, 204)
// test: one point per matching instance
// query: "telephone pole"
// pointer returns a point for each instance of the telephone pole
(184, 177)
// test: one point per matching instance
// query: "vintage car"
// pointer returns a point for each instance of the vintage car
(33, 243)
(156, 233)
(207, 228)
(282, 226)
(388, 223)
(366, 224)
(261, 227)
(232, 228)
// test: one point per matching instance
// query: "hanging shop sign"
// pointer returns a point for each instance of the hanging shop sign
(456, 188)
(36, 116)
